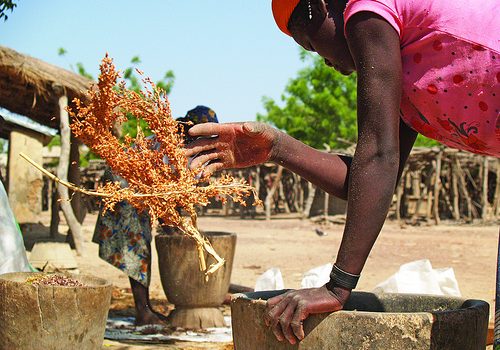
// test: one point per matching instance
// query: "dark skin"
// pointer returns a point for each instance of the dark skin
(144, 313)
(372, 48)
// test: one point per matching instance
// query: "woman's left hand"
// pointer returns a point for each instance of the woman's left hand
(285, 313)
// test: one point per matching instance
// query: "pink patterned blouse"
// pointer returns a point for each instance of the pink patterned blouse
(450, 51)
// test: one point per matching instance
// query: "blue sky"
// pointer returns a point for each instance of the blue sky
(225, 54)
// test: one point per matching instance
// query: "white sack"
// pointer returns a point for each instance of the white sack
(317, 276)
(270, 280)
(12, 252)
(419, 277)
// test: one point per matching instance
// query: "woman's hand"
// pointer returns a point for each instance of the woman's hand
(234, 145)
(285, 313)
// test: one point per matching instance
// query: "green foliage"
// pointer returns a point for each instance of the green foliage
(55, 141)
(3, 146)
(85, 157)
(61, 51)
(319, 106)
(423, 141)
(134, 83)
(6, 5)
(82, 71)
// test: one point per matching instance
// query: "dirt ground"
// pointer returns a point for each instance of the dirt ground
(294, 247)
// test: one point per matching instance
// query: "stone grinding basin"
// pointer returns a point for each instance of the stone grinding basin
(52, 317)
(370, 321)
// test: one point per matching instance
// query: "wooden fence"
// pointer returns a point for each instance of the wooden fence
(467, 189)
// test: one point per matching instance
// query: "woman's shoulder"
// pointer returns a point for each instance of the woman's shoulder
(413, 19)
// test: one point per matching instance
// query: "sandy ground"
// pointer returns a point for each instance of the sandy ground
(293, 246)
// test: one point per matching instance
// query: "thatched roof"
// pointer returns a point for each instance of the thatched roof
(31, 87)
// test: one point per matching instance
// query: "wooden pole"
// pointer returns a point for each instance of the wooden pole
(496, 342)
(298, 181)
(399, 194)
(437, 185)
(485, 207)
(496, 199)
(74, 177)
(326, 205)
(311, 192)
(463, 188)
(284, 197)
(62, 173)
(271, 192)
(454, 192)
(54, 211)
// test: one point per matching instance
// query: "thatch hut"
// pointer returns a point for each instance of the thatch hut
(41, 91)
(32, 87)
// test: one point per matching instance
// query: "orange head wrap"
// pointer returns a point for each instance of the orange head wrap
(282, 10)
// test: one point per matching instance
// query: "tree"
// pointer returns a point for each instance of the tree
(134, 83)
(320, 106)
(6, 5)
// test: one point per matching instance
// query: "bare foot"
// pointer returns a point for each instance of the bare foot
(149, 316)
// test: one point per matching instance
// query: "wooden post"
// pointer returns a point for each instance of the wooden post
(496, 199)
(437, 185)
(463, 188)
(429, 206)
(283, 195)
(62, 173)
(298, 181)
(54, 211)
(257, 182)
(484, 192)
(399, 194)
(496, 341)
(74, 177)
(271, 192)
(311, 192)
(454, 191)
(326, 205)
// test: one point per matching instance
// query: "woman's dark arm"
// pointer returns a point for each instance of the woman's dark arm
(383, 142)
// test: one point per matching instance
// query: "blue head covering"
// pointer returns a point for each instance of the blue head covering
(199, 114)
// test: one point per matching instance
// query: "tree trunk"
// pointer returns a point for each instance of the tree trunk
(62, 173)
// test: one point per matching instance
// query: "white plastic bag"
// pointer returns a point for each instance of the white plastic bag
(419, 277)
(270, 280)
(12, 252)
(317, 276)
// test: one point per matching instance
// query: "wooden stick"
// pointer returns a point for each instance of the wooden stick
(188, 226)
(463, 188)
(496, 198)
(437, 185)
(454, 192)
(75, 188)
(271, 192)
(484, 194)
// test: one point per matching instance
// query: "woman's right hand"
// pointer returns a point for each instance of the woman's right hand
(232, 145)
